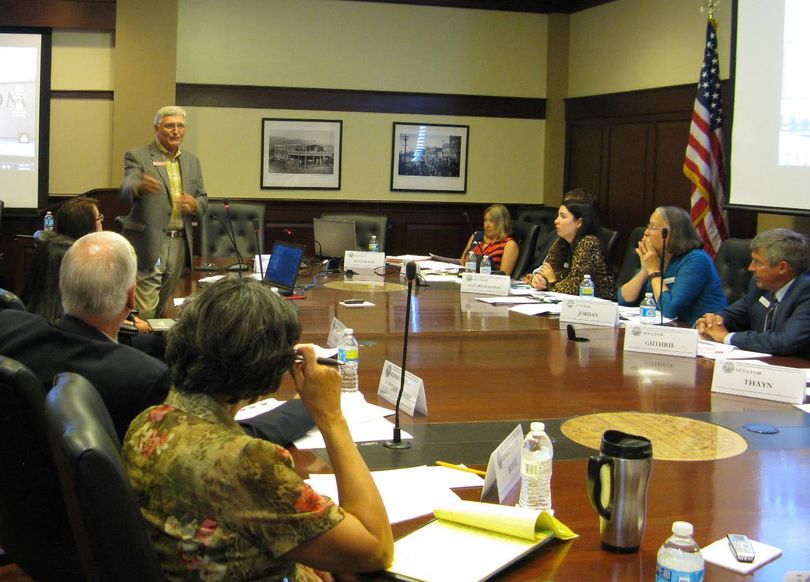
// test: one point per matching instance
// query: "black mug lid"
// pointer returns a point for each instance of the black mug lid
(618, 444)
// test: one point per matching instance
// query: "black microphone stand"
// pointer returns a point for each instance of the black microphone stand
(664, 235)
(397, 443)
(258, 248)
(230, 240)
(240, 261)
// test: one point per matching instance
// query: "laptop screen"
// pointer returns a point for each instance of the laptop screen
(282, 271)
(334, 237)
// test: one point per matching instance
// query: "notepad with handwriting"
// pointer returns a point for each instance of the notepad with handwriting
(471, 541)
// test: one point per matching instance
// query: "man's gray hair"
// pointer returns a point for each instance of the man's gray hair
(783, 244)
(168, 111)
(96, 275)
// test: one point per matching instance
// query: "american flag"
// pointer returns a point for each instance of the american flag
(703, 163)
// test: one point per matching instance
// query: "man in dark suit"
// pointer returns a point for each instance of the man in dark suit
(774, 316)
(166, 190)
(97, 283)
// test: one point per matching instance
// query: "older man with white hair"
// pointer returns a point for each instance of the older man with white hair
(97, 284)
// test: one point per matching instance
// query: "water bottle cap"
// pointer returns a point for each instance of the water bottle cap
(682, 529)
(348, 331)
(538, 427)
(648, 294)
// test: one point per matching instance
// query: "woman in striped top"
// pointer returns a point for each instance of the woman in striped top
(495, 240)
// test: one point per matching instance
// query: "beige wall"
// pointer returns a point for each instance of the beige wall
(639, 44)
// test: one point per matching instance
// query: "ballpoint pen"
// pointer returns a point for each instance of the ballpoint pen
(461, 468)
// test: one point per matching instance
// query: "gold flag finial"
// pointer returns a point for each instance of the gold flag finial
(709, 6)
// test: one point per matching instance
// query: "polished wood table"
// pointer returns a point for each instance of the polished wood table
(486, 368)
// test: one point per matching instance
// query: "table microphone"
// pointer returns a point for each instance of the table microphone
(240, 262)
(664, 235)
(258, 246)
(238, 266)
(397, 443)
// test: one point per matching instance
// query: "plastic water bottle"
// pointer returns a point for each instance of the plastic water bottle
(47, 224)
(646, 309)
(586, 287)
(486, 265)
(535, 469)
(349, 354)
(471, 263)
(373, 244)
(679, 558)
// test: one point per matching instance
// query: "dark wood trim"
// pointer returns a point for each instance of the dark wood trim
(535, 6)
(83, 94)
(75, 14)
(303, 98)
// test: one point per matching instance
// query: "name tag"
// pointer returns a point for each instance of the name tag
(503, 468)
(764, 301)
(485, 284)
(669, 280)
(590, 312)
(159, 164)
(413, 392)
(363, 260)
(759, 381)
(656, 339)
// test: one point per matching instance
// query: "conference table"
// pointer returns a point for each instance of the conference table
(486, 369)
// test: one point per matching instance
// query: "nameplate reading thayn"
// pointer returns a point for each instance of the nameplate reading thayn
(759, 380)
(485, 284)
(663, 340)
(590, 311)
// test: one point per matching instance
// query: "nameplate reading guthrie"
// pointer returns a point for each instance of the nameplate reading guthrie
(664, 340)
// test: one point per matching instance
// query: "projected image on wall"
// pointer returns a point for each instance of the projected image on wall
(18, 79)
(794, 132)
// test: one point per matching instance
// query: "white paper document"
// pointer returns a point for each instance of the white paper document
(537, 308)
(718, 350)
(407, 493)
(719, 553)
(510, 300)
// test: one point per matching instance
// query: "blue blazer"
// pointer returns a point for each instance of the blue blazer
(791, 324)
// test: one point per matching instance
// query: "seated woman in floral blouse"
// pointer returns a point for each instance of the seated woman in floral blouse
(576, 253)
(221, 505)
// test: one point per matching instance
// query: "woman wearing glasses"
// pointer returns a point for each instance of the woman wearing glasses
(77, 217)
(689, 285)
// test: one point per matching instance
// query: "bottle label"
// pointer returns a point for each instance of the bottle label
(348, 354)
(664, 574)
(586, 291)
(647, 311)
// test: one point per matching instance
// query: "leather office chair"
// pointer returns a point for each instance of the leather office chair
(110, 532)
(34, 528)
(245, 218)
(525, 234)
(366, 225)
(732, 262)
(630, 264)
(541, 216)
(610, 242)
(9, 300)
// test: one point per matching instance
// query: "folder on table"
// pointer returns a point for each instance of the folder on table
(471, 541)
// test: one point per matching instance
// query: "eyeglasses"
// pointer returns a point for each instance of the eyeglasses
(100, 218)
(172, 126)
(653, 228)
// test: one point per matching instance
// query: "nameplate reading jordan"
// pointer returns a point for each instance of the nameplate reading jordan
(485, 284)
(413, 392)
(759, 381)
(363, 261)
(657, 339)
(589, 311)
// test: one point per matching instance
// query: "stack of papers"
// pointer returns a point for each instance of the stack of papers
(408, 493)
(720, 351)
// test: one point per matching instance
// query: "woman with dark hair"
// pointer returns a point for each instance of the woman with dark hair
(576, 253)
(41, 289)
(223, 505)
(77, 217)
(495, 240)
(691, 286)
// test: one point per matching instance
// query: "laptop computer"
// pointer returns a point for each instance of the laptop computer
(282, 269)
(334, 237)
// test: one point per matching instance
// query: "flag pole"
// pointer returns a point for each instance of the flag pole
(709, 6)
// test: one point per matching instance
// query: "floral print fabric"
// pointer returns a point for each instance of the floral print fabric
(221, 505)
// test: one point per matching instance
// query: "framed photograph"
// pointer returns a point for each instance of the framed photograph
(301, 153)
(429, 157)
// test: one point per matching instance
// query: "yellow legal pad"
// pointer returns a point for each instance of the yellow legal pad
(471, 541)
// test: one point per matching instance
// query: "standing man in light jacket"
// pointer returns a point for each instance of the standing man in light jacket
(166, 190)
(774, 316)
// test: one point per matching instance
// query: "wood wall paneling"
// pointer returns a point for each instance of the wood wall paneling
(670, 187)
(626, 200)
